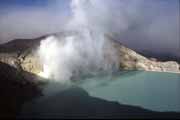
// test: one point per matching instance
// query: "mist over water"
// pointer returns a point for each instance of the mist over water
(87, 51)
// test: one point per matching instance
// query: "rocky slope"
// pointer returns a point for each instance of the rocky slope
(21, 54)
(16, 88)
(131, 60)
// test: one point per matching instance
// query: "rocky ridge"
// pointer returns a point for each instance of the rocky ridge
(21, 54)
(131, 60)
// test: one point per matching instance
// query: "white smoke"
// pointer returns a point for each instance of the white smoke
(86, 51)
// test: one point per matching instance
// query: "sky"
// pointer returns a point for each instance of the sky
(143, 25)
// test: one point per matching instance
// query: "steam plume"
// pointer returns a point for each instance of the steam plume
(83, 52)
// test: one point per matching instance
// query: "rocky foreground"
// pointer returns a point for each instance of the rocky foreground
(16, 88)
(21, 54)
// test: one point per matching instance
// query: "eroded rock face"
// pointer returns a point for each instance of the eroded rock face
(31, 64)
(131, 60)
(26, 58)
(22, 55)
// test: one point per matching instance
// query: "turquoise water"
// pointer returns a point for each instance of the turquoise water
(155, 91)
(98, 96)
(152, 90)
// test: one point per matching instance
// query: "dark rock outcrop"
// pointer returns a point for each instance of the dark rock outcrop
(15, 89)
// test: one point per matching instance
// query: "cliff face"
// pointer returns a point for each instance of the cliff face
(131, 60)
(21, 54)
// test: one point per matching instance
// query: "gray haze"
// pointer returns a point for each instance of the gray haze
(143, 25)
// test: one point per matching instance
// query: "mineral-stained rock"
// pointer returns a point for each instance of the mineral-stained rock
(21, 54)
(131, 60)
(31, 64)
